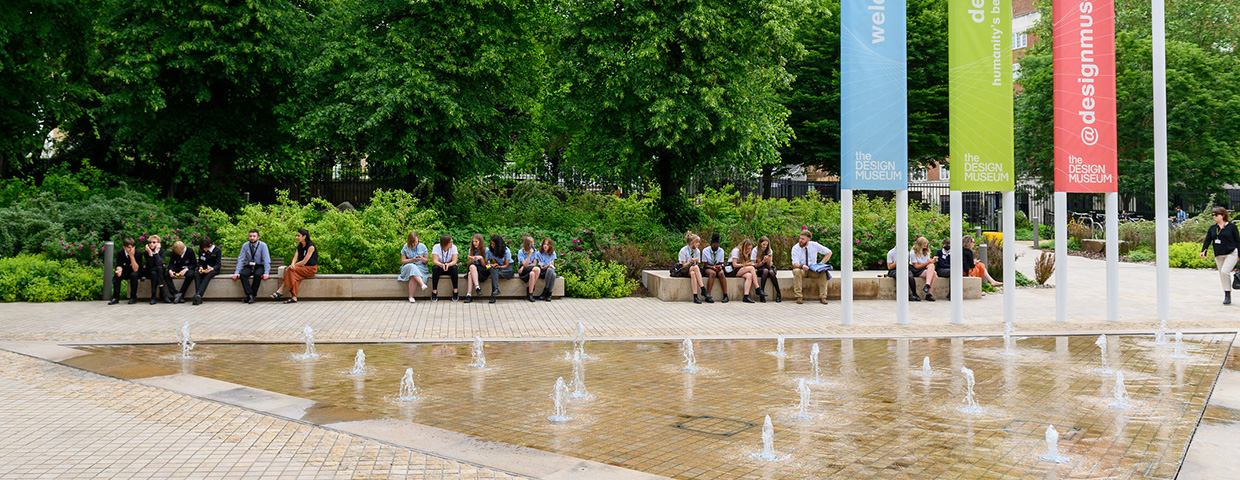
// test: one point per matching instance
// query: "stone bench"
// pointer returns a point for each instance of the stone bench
(355, 287)
(867, 285)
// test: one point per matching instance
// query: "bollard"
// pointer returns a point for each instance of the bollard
(108, 269)
(977, 235)
(1037, 235)
(982, 256)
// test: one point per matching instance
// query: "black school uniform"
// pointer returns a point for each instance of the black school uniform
(156, 270)
(127, 273)
(208, 258)
(186, 261)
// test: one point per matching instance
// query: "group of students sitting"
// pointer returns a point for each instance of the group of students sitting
(922, 264)
(484, 260)
(753, 263)
(162, 268)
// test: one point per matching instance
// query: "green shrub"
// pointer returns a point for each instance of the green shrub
(1139, 234)
(1185, 255)
(1141, 255)
(1022, 280)
(598, 279)
(276, 224)
(369, 241)
(33, 278)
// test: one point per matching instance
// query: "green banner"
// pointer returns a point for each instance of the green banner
(980, 95)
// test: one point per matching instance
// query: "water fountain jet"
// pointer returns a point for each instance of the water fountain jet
(408, 392)
(1052, 446)
(1101, 342)
(579, 377)
(813, 363)
(925, 368)
(479, 356)
(690, 359)
(779, 346)
(308, 334)
(971, 404)
(1178, 352)
(184, 341)
(560, 396)
(359, 363)
(768, 443)
(1121, 393)
(1007, 338)
(1160, 336)
(803, 405)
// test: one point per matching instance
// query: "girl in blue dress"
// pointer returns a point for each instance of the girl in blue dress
(413, 264)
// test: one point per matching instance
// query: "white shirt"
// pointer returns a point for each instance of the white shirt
(713, 257)
(914, 258)
(687, 254)
(811, 249)
(444, 257)
(753, 255)
(891, 258)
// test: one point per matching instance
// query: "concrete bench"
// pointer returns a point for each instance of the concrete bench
(356, 287)
(867, 285)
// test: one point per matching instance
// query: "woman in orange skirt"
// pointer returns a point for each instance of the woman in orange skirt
(978, 269)
(305, 265)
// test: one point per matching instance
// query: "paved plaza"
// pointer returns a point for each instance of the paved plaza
(64, 422)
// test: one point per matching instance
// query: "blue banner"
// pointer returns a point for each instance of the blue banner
(873, 95)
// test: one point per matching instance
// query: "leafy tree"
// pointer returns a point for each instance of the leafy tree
(1203, 105)
(666, 88)
(429, 91)
(190, 89)
(814, 99)
(43, 56)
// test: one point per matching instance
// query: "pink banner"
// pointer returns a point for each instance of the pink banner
(1084, 59)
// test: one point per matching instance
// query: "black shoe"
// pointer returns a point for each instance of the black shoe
(434, 297)
(455, 297)
(494, 292)
(547, 298)
(1227, 298)
(197, 299)
(929, 297)
(725, 298)
(925, 288)
(778, 296)
(245, 299)
(114, 301)
(492, 300)
(478, 290)
(178, 298)
(529, 296)
(949, 297)
(133, 301)
(695, 299)
(469, 299)
(914, 298)
(708, 298)
(760, 292)
(746, 299)
(154, 301)
(762, 298)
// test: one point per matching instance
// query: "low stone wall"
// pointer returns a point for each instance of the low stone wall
(867, 285)
(355, 287)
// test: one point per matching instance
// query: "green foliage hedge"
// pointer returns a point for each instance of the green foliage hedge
(1185, 255)
(598, 279)
(33, 278)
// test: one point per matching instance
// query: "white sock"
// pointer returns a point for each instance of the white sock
(411, 300)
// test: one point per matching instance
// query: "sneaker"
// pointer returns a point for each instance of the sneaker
(412, 300)
(455, 297)
(434, 297)
(425, 286)
(468, 299)
(478, 290)
(929, 297)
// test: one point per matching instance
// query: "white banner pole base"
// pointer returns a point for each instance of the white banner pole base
(901, 257)
(1009, 257)
(846, 257)
(1112, 246)
(1061, 257)
(956, 212)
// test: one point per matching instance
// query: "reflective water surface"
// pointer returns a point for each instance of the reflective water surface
(874, 413)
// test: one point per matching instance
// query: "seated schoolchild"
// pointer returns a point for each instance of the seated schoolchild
(892, 258)
(444, 261)
(689, 264)
(739, 265)
(476, 259)
(528, 263)
(943, 263)
(499, 262)
(763, 258)
(181, 265)
(546, 261)
(157, 269)
(413, 256)
(208, 266)
(129, 268)
(921, 264)
(713, 261)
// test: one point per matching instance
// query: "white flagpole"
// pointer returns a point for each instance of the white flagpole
(956, 211)
(1009, 257)
(846, 257)
(1061, 257)
(1160, 162)
(902, 257)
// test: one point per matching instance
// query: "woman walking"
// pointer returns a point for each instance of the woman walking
(413, 264)
(305, 265)
(1225, 238)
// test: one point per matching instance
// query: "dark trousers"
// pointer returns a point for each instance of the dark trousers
(159, 278)
(251, 278)
(497, 274)
(190, 277)
(548, 276)
(203, 279)
(912, 281)
(436, 272)
(133, 278)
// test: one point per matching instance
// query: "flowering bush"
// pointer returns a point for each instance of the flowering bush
(84, 249)
(597, 279)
